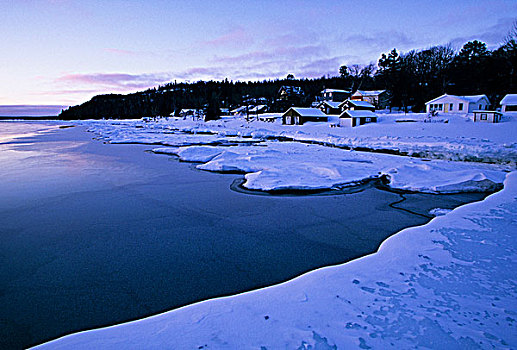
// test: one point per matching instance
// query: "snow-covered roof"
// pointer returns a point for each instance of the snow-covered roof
(466, 98)
(485, 111)
(331, 104)
(308, 112)
(473, 98)
(358, 114)
(510, 99)
(238, 109)
(335, 90)
(368, 92)
(258, 108)
(357, 103)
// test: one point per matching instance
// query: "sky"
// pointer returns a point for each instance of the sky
(63, 52)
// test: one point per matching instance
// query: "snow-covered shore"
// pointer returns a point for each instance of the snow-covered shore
(449, 284)
(319, 157)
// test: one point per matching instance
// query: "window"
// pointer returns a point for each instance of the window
(460, 107)
(450, 106)
(367, 120)
(440, 106)
(480, 107)
(483, 116)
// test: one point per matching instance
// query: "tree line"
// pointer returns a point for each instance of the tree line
(412, 78)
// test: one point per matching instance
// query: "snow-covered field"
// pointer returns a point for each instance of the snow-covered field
(449, 284)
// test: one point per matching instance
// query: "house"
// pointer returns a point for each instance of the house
(509, 103)
(239, 110)
(288, 92)
(356, 105)
(298, 116)
(487, 116)
(335, 95)
(457, 104)
(378, 98)
(330, 107)
(357, 117)
(188, 112)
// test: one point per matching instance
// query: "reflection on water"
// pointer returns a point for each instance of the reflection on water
(94, 234)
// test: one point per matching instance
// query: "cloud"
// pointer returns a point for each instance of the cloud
(279, 54)
(379, 41)
(30, 110)
(120, 51)
(117, 81)
(236, 37)
(493, 35)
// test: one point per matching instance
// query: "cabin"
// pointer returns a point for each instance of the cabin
(189, 112)
(509, 103)
(486, 116)
(356, 105)
(457, 104)
(357, 117)
(335, 95)
(378, 98)
(330, 107)
(298, 116)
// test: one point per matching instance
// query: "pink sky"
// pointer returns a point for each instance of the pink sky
(63, 52)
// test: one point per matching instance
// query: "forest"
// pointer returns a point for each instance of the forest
(412, 78)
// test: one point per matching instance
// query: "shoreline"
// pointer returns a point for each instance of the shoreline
(227, 317)
(132, 224)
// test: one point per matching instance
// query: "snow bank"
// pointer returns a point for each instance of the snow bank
(449, 284)
(273, 166)
(459, 139)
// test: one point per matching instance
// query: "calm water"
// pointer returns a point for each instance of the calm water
(94, 234)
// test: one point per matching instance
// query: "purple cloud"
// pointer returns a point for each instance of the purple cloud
(117, 81)
(234, 38)
(279, 54)
(120, 51)
(380, 41)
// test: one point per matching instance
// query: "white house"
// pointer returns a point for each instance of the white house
(457, 104)
(509, 103)
(357, 117)
(487, 116)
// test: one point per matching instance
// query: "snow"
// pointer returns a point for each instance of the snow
(358, 114)
(449, 284)
(368, 92)
(308, 112)
(357, 103)
(309, 163)
(466, 98)
(509, 99)
(271, 166)
(332, 104)
(334, 90)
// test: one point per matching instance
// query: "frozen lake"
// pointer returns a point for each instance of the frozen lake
(93, 234)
